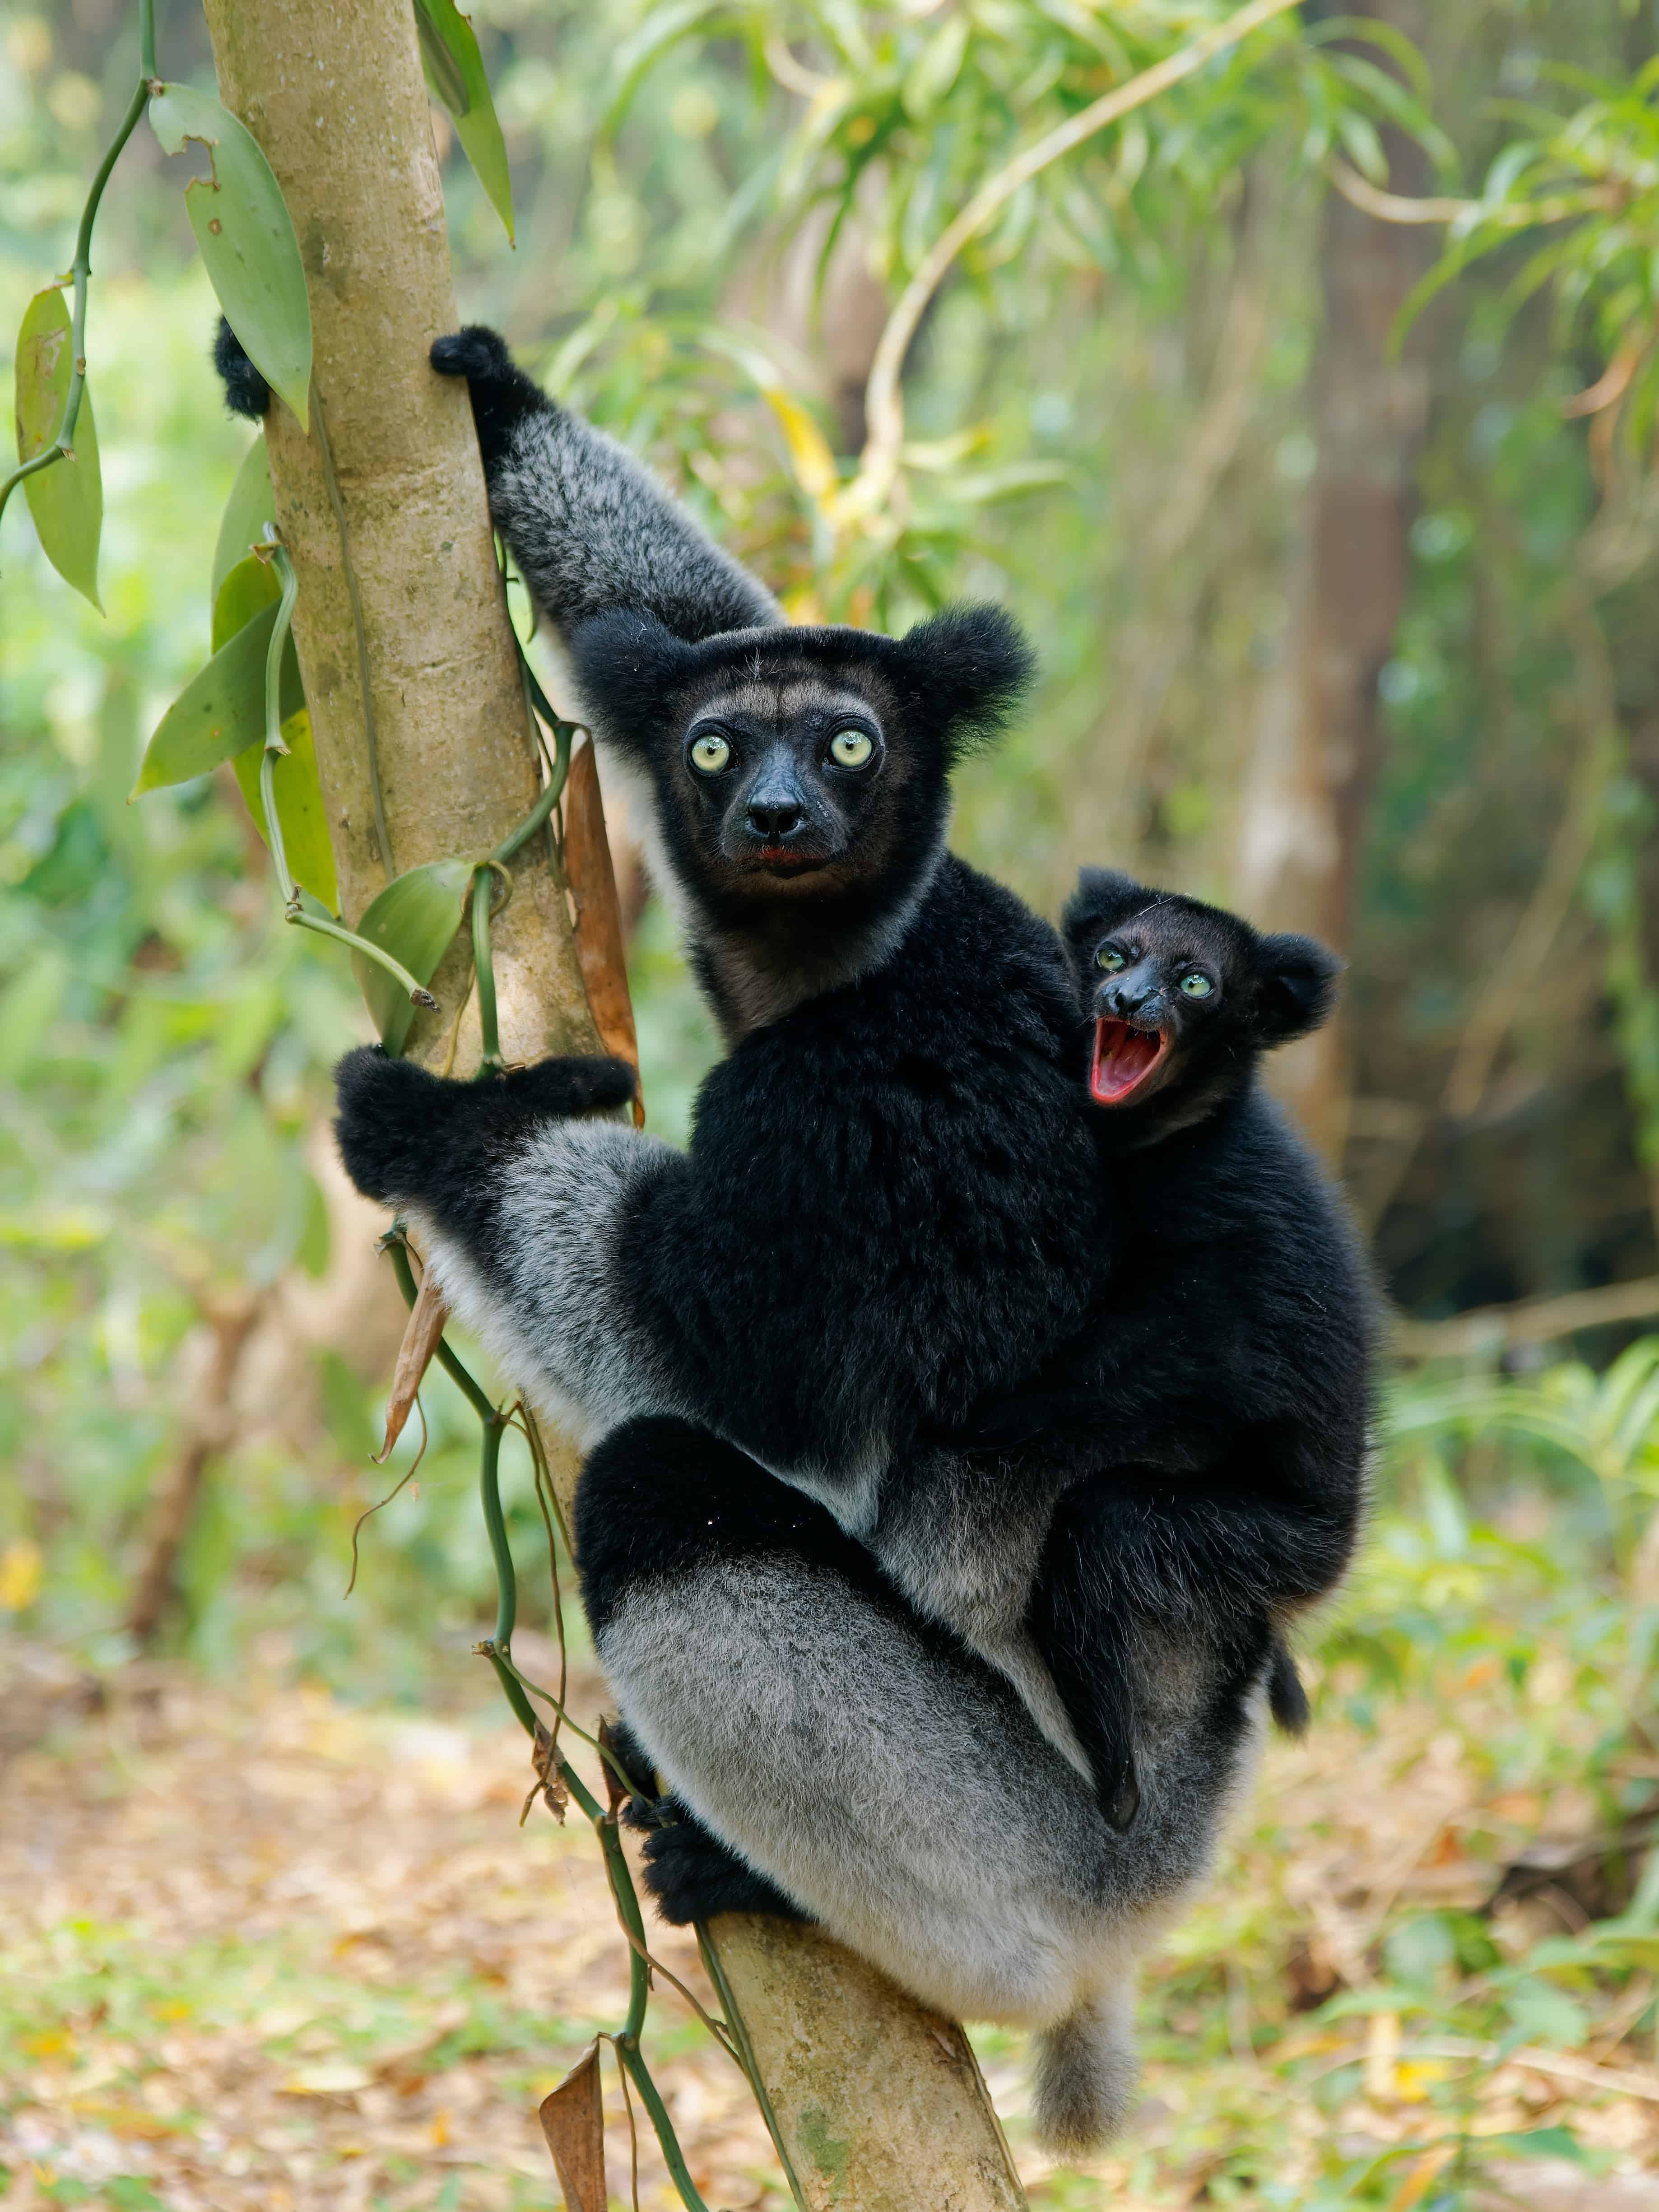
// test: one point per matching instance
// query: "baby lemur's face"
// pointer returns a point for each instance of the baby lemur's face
(1183, 997)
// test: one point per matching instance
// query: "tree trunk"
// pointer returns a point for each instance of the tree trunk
(878, 2103)
(1319, 736)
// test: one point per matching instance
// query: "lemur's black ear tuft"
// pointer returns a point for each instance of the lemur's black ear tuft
(1296, 979)
(1103, 898)
(626, 666)
(964, 670)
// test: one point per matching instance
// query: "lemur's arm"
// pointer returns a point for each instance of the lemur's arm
(518, 1210)
(590, 529)
(594, 1264)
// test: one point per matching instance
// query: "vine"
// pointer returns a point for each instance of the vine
(61, 445)
(559, 1780)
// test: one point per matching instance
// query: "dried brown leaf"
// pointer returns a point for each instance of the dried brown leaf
(592, 884)
(423, 1329)
(572, 2120)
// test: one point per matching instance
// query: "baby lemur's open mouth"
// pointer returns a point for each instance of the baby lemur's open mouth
(1124, 1057)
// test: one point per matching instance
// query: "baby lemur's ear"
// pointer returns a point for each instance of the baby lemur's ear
(1296, 985)
(962, 674)
(626, 666)
(1103, 898)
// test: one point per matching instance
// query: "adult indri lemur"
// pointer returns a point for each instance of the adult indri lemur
(1205, 1433)
(891, 1211)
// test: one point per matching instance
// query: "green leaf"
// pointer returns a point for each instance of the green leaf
(455, 75)
(249, 589)
(250, 506)
(221, 711)
(66, 499)
(299, 795)
(414, 919)
(247, 238)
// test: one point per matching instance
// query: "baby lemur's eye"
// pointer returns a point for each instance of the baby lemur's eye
(710, 752)
(1196, 986)
(851, 748)
(1110, 959)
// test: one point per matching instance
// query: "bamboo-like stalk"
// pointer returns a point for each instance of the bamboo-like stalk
(879, 2103)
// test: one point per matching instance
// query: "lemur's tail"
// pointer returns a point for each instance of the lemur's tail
(1085, 2074)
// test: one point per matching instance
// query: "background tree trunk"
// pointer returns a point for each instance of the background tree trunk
(1319, 736)
(879, 2104)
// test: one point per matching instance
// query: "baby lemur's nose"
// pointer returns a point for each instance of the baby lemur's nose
(775, 817)
(1127, 999)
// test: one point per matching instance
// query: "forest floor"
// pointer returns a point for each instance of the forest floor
(261, 1950)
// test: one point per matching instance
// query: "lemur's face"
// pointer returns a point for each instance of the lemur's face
(1161, 991)
(1183, 998)
(795, 784)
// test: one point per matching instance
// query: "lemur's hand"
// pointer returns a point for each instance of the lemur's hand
(405, 1134)
(501, 394)
(247, 392)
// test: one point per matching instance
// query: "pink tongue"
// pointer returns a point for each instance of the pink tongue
(1122, 1056)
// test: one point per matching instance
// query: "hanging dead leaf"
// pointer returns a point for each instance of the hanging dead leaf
(549, 1783)
(572, 2120)
(422, 1330)
(592, 884)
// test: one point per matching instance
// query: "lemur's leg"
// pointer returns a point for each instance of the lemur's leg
(690, 1873)
(590, 528)
(881, 1776)
(1136, 1544)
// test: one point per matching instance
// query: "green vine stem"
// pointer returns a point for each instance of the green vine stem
(626, 2040)
(80, 267)
(484, 889)
(293, 910)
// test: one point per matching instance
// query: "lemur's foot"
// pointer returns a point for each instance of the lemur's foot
(247, 392)
(692, 1875)
(502, 395)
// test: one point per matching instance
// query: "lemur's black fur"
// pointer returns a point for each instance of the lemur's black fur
(1211, 1419)
(892, 1214)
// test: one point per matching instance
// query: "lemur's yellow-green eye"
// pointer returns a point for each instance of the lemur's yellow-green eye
(710, 752)
(1110, 959)
(851, 748)
(1196, 986)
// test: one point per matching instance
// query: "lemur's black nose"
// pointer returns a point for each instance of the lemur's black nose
(774, 818)
(1128, 997)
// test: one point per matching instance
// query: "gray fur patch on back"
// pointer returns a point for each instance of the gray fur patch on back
(592, 531)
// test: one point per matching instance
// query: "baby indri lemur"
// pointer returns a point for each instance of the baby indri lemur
(1203, 1438)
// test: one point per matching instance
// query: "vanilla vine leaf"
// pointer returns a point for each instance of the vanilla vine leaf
(67, 500)
(251, 586)
(246, 237)
(455, 75)
(221, 711)
(252, 505)
(414, 919)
